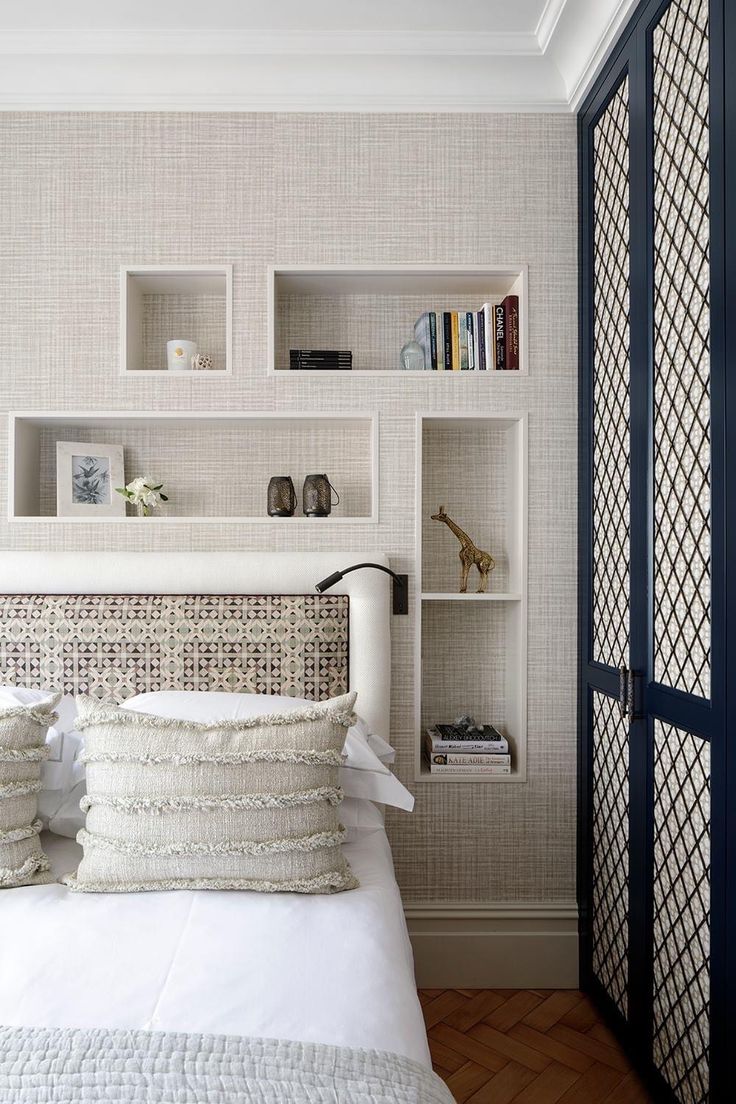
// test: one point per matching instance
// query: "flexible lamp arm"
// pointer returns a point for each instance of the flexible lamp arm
(400, 587)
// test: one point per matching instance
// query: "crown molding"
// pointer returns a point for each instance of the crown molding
(547, 22)
(295, 102)
(578, 88)
(202, 42)
(549, 69)
(583, 37)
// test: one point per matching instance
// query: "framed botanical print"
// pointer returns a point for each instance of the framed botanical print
(86, 477)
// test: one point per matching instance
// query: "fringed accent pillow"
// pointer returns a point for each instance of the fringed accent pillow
(22, 750)
(237, 804)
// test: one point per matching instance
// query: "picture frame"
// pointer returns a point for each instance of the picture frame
(87, 474)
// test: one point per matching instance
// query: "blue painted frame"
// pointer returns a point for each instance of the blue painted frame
(716, 719)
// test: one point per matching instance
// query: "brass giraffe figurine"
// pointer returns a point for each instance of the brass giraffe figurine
(469, 554)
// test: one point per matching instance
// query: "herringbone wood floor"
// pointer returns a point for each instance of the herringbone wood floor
(529, 1046)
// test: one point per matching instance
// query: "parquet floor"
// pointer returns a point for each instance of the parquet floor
(526, 1046)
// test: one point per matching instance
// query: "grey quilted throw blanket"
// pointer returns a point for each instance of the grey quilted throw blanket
(41, 1066)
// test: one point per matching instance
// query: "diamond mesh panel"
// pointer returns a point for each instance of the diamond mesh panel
(681, 349)
(611, 382)
(681, 934)
(611, 848)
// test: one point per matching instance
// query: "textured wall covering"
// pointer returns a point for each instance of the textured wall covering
(82, 194)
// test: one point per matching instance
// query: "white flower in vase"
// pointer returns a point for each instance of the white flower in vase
(143, 493)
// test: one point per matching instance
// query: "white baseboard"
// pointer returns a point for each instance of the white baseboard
(508, 946)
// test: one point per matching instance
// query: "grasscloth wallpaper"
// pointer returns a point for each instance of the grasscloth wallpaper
(81, 194)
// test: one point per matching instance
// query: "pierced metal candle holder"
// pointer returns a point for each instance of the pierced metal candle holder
(281, 496)
(317, 496)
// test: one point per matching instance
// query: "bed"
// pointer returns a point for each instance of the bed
(206, 995)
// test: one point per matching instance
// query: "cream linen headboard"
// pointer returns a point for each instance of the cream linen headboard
(235, 574)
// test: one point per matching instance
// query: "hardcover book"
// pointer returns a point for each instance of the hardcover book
(465, 756)
(456, 732)
(480, 340)
(472, 746)
(488, 336)
(440, 768)
(471, 340)
(511, 309)
(499, 336)
(447, 331)
(462, 338)
(455, 331)
(456, 759)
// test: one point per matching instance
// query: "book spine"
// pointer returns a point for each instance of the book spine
(445, 768)
(471, 341)
(343, 353)
(511, 309)
(499, 336)
(433, 340)
(480, 341)
(434, 740)
(452, 759)
(488, 336)
(462, 340)
(489, 748)
(455, 332)
(447, 328)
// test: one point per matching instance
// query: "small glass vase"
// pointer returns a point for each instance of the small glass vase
(412, 357)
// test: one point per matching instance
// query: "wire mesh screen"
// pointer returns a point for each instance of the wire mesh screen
(611, 516)
(681, 931)
(681, 349)
(610, 927)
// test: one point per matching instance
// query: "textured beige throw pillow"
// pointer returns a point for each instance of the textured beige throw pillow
(235, 804)
(22, 750)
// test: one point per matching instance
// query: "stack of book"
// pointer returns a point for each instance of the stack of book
(335, 360)
(452, 749)
(471, 341)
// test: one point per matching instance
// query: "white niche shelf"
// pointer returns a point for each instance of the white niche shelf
(372, 310)
(215, 466)
(471, 649)
(159, 303)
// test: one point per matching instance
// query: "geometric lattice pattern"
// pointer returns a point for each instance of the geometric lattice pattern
(681, 931)
(116, 645)
(681, 349)
(610, 928)
(611, 449)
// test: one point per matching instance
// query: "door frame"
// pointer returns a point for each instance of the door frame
(714, 721)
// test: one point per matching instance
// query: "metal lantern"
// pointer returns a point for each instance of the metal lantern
(317, 496)
(281, 496)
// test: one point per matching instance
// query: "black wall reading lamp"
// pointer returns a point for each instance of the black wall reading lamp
(400, 587)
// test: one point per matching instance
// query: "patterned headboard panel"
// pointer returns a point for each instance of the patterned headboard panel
(117, 645)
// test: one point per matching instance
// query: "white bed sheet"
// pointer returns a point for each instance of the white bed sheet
(325, 969)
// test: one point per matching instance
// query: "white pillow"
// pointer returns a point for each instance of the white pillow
(382, 751)
(62, 775)
(22, 695)
(356, 813)
(362, 775)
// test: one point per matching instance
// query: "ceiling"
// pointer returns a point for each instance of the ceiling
(304, 55)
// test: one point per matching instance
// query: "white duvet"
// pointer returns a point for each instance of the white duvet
(323, 969)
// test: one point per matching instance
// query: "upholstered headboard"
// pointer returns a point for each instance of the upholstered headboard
(116, 624)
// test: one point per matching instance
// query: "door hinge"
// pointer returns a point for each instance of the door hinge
(628, 703)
